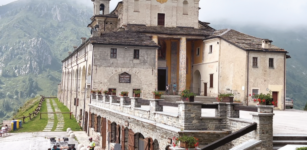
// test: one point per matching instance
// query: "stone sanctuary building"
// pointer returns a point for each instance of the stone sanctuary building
(148, 44)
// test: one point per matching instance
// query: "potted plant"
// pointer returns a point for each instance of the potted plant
(106, 92)
(113, 92)
(263, 99)
(137, 93)
(124, 93)
(225, 97)
(99, 91)
(187, 141)
(186, 95)
(157, 95)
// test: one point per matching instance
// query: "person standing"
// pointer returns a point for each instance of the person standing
(92, 144)
(174, 88)
(166, 89)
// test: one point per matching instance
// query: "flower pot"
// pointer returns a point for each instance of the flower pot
(124, 94)
(113, 94)
(185, 145)
(227, 99)
(184, 98)
(191, 99)
(157, 96)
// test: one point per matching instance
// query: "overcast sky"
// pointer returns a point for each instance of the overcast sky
(271, 13)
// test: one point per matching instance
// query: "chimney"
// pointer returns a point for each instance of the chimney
(69, 53)
(266, 43)
(83, 39)
(75, 47)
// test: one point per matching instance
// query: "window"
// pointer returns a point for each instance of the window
(136, 5)
(211, 80)
(185, 7)
(271, 62)
(210, 49)
(136, 54)
(113, 53)
(162, 50)
(161, 19)
(255, 61)
(255, 91)
(101, 9)
(197, 52)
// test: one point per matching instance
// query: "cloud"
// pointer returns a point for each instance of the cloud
(4, 2)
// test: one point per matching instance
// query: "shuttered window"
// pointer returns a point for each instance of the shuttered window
(255, 61)
(98, 124)
(271, 62)
(113, 53)
(136, 54)
(161, 19)
(211, 80)
(92, 120)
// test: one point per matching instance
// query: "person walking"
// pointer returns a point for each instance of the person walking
(166, 89)
(174, 88)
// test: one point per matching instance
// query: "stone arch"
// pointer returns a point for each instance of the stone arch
(101, 9)
(185, 7)
(156, 145)
(136, 83)
(98, 123)
(114, 132)
(197, 82)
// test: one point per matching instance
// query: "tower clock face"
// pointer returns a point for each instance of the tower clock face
(162, 1)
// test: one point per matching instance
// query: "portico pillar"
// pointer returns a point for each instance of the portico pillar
(182, 64)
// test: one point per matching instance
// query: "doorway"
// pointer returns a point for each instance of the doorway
(205, 89)
(162, 75)
(275, 98)
(197, 82)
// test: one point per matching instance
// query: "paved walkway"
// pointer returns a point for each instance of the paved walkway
(32, 141)
(60, 124)
(50, 117)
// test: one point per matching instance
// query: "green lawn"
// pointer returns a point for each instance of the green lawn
(55, 123)
(28, 107)
(35, 124)
(68, 123)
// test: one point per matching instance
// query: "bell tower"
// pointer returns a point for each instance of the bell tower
(101, 7)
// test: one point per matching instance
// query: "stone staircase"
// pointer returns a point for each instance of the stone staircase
(203, 99)
(283, 140)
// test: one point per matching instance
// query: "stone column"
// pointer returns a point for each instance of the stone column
(264, 130)
(182, 64)
(231, 113)
(189, 115)
(134, 103)
(154, 107)
(104, 98)
(222, 109)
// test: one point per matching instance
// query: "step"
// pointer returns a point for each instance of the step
(287, 142)
(290, 137)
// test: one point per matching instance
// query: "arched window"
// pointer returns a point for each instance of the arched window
(136, 5)
(185, 7)
(101, 9)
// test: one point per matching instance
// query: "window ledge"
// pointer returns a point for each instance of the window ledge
(255, 66)
(271, 68)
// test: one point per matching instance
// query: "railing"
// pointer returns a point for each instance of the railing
(230, 137)
(143, 102)
(163, 103)
(209, 106)
(245, 108)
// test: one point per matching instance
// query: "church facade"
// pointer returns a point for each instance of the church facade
(148, 44)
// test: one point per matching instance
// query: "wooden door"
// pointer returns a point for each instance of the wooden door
(131, 140)
(117, 134)
(109, 130)
(104, 132)
(95, 123)
(122, 142)
(275, 98)
(146, 144)
(90, 120)
(85, 124)
(205, 89)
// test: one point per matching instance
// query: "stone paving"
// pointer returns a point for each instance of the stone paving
(60, 124)
(33, 141)
(50, 117)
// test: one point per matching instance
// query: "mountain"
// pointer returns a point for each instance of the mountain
(293, 40)
(35, 35)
